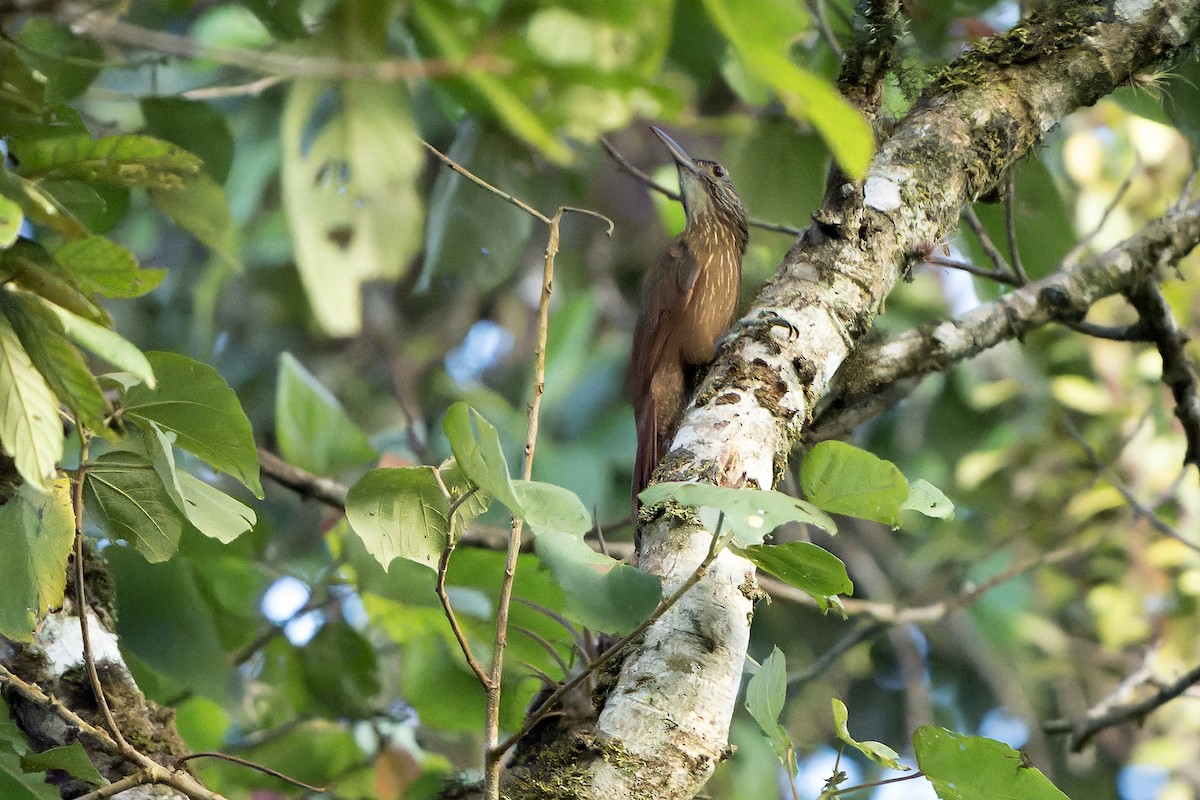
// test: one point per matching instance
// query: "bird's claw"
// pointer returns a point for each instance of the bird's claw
(764, 322)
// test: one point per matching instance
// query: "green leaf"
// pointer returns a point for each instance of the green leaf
(69, 61)
(122, 160)
(105, 267)
(39, 205)
(602, 593)
(351, 167)
(340, 669)
(877, 752)
(762, 32)
(927, 499)
(195, 403)
(71, 759)
(974, 768)
(198, 205)
(765, 695)
(11, 218)
(36, 533)
(105, 343)
(16, 785)
(476, 447)
(750, 514)
(36, 270)
(458, 484)
(804, 565)
(214, 513)
(194, 126)
(400, 512)
(311, 427)
(55, 358)
(547, 508)
(125, 493)
(30, 428)
(842, 479)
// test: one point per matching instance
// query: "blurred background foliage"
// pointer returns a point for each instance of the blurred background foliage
(350, 289)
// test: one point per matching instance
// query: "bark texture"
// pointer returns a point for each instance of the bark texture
(664, 726)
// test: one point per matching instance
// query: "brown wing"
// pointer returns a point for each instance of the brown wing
(656, 368)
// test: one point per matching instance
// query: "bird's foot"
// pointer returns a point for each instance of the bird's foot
(761, 326)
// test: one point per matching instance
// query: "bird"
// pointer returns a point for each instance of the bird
(689, 301)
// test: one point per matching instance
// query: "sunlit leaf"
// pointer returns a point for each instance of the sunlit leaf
(30, 428)
(195, 403)
(71, 759)
(11, 218)
(476, 447)
(311, 427)
(547, 508)
(842, 479)
(804, 565)
(130, 160)
(877, 752)
(105, 267)
(602, 593)
(55, 358)
(974, 768)
(400, 512)
(765, 695)
(127, 497)
(105, 343)
(467, 500)
(927, 499)
(750, 514)
(36, 533)
(762, 33)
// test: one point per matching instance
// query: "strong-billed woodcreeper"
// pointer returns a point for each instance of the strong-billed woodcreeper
(690, 301)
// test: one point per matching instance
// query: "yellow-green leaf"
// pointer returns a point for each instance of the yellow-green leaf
(30, 429)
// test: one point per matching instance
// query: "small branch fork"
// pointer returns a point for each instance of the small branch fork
(491, 678)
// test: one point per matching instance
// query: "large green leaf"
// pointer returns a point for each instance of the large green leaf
(750, 514)
(16, 785)
(127, 496)
(877, 752)
(34, 269)
(55, 358)
(11, 218)
(765, 696)
(198, 206)
(71, 759)
(476, 447)
(602, 593)
(762, 31)
(468, 506)
(842, 479)
(549, 508)
(105, 343)
(974, 768)
(804, 565)
(68, 61)
(400, 512)
(30, 428)
(311, 427)
(105, 267)
(351, 171)
(123, 160)
(194, 126)
(195, 403)
(36, 532)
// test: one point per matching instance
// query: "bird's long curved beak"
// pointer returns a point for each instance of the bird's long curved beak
(678, 153)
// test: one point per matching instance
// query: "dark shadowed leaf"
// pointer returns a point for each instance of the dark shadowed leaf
(843, 479)
(71, 759)
(198, 206)
(195, 403)
(68, 60)
(194, 126)
(400, 512)
(602, 593)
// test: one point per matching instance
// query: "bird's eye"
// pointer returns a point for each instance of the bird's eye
(718, 170)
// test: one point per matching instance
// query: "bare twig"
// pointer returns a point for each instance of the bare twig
(1106, 714)
(965, 266)
(254, 766)
(999, 262)
(817, 9)
(481, 183)
(113, 789)
(480, 673)
(1080, 247)
(251, 89)
(625, 166)
(302, 481)
(1010, 230)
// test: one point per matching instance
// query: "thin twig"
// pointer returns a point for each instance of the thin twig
(534, 717)
(251, 89)
(989, 247)
(480, 673)
(480, 182)
(1010, 230)
(113, 789)
(1078, 249)
(80, 593)
(817, 9)
(302, 481)
(954, 263)
(625, 166)
(254, 766)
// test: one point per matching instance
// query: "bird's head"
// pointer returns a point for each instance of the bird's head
(706, 188)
